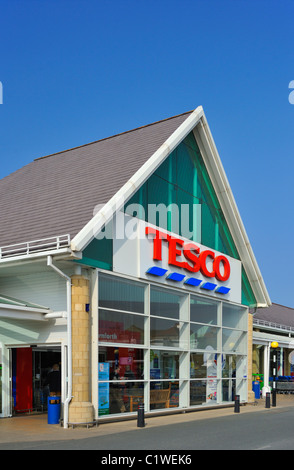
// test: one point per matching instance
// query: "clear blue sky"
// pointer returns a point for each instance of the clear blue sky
(75, 71)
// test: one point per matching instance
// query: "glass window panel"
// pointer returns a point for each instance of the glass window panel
(167, 169)
(229, 366)
(120, 294)
(118, 371)
(203, 336)
(199, 363)
(197, 392)
(162, 208)
(234, 316)
(185, 168)
(163, 394)
(235, 367)
(203, 392)
(174, 395)
(139, 200)
(99, 252)
(164, 364)
(233, 387)
(129, 363)
(241, 367)
(164, 332)
(182, 172)
(229, 389)
(135, 396)
(247, 292)
(123, 398)
(164, 303)
(208, 226)
(189, 209)
(233, 341)
(119, 327)
(203, 311)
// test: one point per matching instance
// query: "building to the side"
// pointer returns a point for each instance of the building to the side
(275, 324)
(126, 262)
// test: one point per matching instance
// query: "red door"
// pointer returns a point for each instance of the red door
(24, 379)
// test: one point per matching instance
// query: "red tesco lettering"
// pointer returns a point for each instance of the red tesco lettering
(195, 260)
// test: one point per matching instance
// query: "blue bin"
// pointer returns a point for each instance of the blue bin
(256, 388)
(53, 410)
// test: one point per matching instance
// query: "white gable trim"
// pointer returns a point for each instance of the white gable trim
(229, 207)
(195, 122)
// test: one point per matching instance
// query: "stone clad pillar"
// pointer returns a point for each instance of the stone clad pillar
(251, 395)
(80, 408)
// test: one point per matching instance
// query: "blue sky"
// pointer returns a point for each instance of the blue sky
(75, 71)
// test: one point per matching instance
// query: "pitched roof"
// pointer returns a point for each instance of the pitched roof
(57, 194)
(276, 313)
(12, 301)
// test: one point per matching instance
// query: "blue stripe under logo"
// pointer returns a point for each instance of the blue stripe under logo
(191, 281)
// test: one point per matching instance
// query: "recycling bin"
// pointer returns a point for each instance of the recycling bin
(53, 410)
(256, 388)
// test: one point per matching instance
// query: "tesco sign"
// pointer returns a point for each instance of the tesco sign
(156, 255)
(194, 260)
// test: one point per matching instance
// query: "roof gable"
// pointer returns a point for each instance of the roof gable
(196, 122)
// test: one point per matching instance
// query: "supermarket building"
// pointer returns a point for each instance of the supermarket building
(127, 254)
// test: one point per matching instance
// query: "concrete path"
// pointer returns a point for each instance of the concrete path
(36, 428)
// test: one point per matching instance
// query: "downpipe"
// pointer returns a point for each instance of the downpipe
(69, 339)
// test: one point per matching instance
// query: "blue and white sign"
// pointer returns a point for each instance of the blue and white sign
(134, 256)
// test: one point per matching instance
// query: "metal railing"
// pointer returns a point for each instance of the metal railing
(273, 325)
(34, 246)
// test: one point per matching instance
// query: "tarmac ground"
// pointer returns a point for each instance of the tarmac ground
(36, 428)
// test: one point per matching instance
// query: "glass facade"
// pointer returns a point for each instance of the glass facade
(182, 185)
(166, 348)
(182, 180)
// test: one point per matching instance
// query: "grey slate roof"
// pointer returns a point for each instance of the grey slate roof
(276, 314)
(56, 194)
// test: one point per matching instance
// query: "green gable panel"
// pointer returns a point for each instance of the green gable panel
(98, 254)
(182, 184)
(247, 293)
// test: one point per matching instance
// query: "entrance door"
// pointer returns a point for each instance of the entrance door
(29, 369)
(43, 360)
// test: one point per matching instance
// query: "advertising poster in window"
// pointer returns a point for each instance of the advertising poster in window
(210, 360)
(103, 397)
(211, 387)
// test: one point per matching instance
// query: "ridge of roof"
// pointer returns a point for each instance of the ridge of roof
(113, 136)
